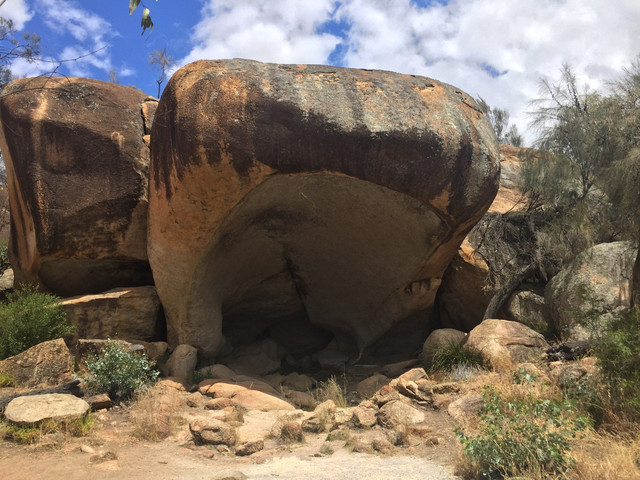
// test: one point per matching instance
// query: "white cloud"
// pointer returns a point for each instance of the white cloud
(17, 11)
(283, 31)
(90, 31)
(523, 40)
(457, 43)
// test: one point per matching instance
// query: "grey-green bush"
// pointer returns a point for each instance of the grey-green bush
(118, 372)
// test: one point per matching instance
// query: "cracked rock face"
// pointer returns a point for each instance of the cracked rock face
(77, 167)
(308, 203)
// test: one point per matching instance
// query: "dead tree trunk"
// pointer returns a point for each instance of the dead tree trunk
(502, 295)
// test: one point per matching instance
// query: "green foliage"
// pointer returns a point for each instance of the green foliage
(618, 353)
(30, 317)
(499, 119)
(521, 376)
(119, 372)
(451, 355)
(7, 380)
(519, 436)
(4, 257)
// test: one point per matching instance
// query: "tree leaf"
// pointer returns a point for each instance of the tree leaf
(133, 4)
(146, 21)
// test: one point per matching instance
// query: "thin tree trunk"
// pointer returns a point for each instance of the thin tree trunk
(635, 283)
(503, 294)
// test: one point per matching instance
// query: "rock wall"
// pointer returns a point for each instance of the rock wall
(320, 197)
(77, 168)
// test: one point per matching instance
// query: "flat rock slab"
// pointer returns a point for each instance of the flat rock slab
(36, 408)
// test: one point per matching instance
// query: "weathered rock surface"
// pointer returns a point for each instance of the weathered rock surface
(36, 408)
(48, 363)
(505, 343)
(77, 170)
(466, 406)
(595, 286)
(328, 197)
(127, 313)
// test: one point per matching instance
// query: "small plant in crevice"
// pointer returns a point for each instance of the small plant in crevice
(453, 355)
(119, 372)
(521, 436)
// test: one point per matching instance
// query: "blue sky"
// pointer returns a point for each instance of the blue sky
(499, 49)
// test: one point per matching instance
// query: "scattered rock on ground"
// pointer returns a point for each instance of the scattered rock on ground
(370, 385)
(396, 413)
(249, 399)
(210, 431)
(30, 410)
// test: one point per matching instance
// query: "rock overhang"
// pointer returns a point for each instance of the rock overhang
(343, 194)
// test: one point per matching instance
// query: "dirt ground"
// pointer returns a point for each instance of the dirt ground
(112, 450)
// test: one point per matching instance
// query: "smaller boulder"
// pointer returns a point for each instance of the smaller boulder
(182, 362)
(465, 407)
(249, 448)
(48, 363)
(527, 306)
(505, 343)
(210, 431)
(260, 358)
(296, 381)
(33, 409)
(438, 339)
(364, 415)
(395, 413)
(370, 385)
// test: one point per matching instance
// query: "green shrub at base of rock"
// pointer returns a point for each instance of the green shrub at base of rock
(517, 436)
(618, 353)
(30, 317)
(119, 372)
(451, 355)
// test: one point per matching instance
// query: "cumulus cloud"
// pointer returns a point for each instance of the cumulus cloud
(16, 11)
(498, 49)
(286, 31)
(89, 31)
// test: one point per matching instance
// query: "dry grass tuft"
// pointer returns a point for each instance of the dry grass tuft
(605, 457)
(155, 415)
(332, 390)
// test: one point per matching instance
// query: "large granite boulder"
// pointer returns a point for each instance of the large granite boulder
(30, 410)
(331, 197)
(595, 286)
(77, 167)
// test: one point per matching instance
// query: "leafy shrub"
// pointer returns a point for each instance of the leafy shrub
(520, 436)
(30, 317)
(618, 353)
(452, 354)
(119, 372)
